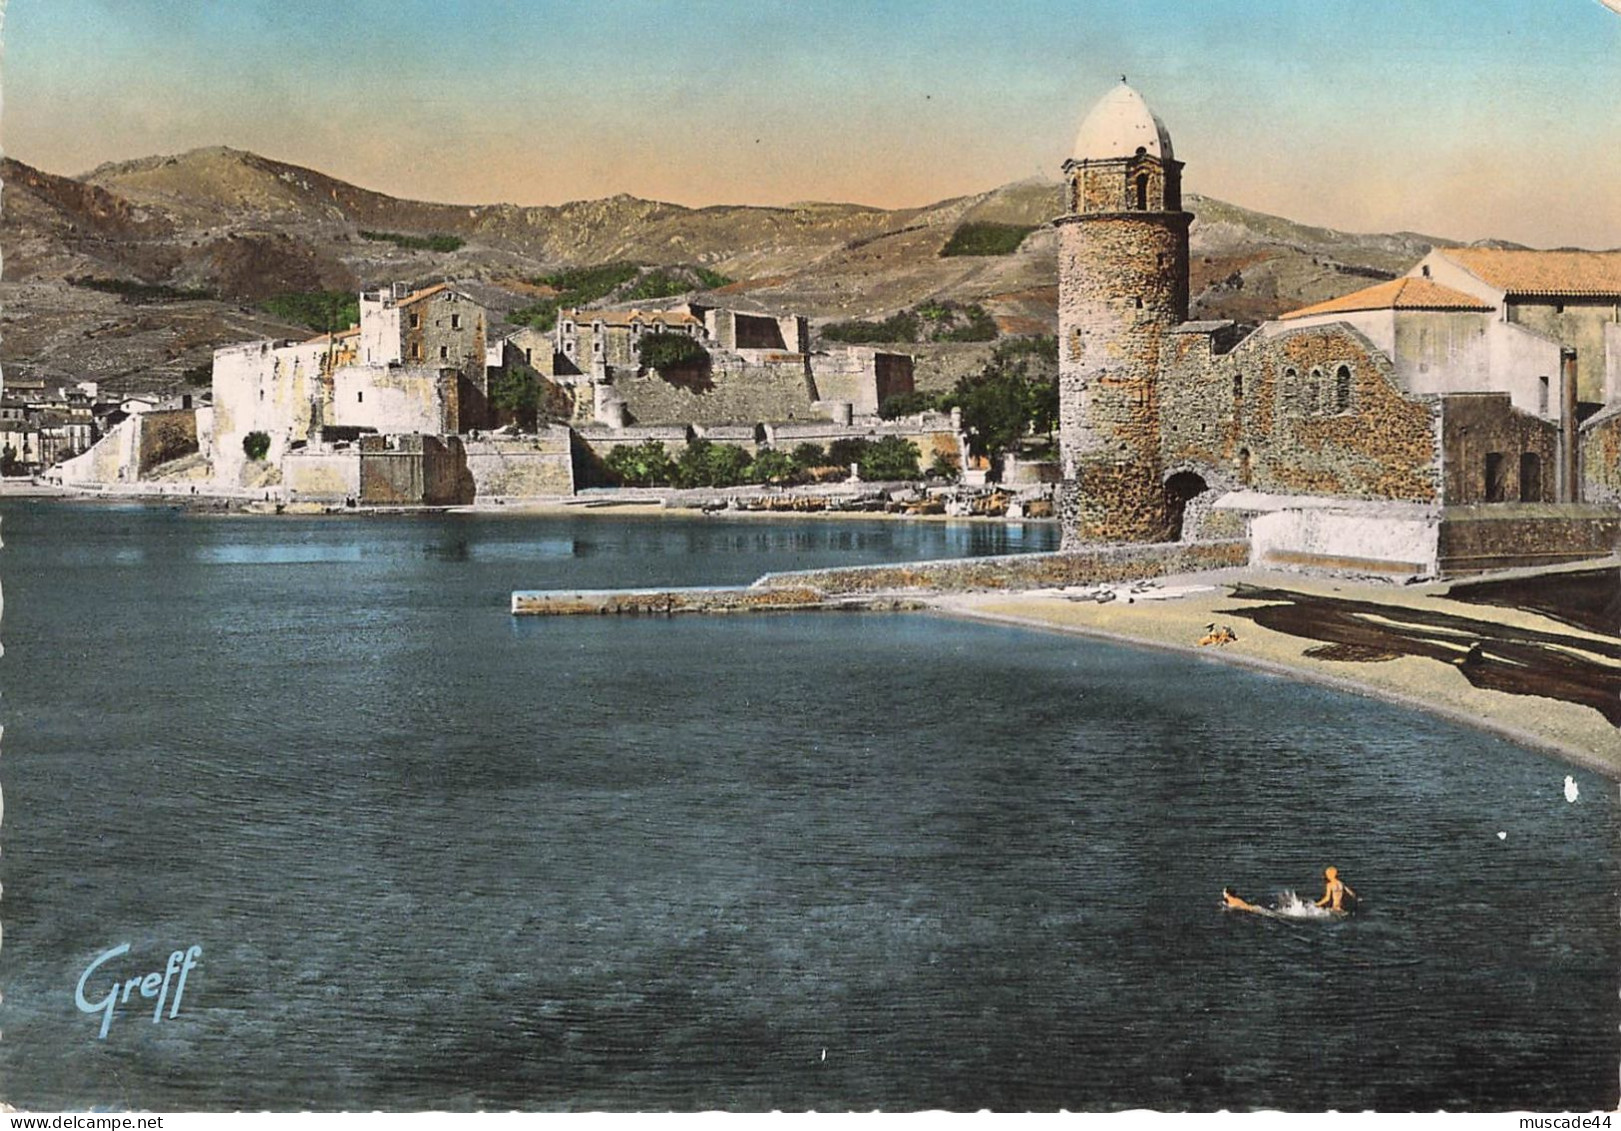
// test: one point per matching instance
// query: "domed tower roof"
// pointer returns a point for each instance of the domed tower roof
(1119, 126)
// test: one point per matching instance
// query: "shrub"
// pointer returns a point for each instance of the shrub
(981, 327)
(807, 456)
(578, 286)
(255, 445)
(908, 404)
(436, 242)
(541, 315)
(658, 284)
(712, 280)
(772, 466)
(137, 292)
(706, 464)
(900, 327)
(842, 453)
(517, 393)
(986, 239)
(319, 310)
(670, 351)
(893, 457)
(944, 465)
(641, 465)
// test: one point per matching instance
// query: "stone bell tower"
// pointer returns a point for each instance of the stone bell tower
(1122, 283)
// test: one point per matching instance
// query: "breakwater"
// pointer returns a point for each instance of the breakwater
(893, 586)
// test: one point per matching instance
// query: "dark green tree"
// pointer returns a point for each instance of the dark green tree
(1014, 396)
(670, 351)
(707, 464)
(516, 393)
(255, 445)
(647, 464)
(772, 466)
(808, 455)
(893, 457)
(842, 453)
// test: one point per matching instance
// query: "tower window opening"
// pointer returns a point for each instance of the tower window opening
(1542, 396)
(1342, 389)
(1142, 191)
(1238, 386)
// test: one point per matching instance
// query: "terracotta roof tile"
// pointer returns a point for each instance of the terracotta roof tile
(425, 292)
(1398, 294)
(1522, 271)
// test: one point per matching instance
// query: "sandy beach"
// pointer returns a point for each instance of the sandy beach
(1571, 731)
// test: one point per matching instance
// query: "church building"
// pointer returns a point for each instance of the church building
(1459, 419)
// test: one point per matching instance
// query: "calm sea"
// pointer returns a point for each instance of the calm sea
(436, 857)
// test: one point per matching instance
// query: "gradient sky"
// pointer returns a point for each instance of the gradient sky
(1459, 118)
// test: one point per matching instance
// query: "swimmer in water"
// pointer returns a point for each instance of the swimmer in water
(1335, 891)
(1233, 901)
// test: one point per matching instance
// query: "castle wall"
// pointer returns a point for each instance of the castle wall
(165, 434)
(863, 377)
(380, 337)
(261, 387)
(414, 470)
(523, 466)
(399, 398)
(731, 391)
(318, 476)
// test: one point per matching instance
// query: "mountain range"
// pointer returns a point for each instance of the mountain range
(196, 241)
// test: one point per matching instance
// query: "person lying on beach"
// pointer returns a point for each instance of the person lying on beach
(1336, 890)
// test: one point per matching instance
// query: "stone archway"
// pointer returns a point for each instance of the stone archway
(1180, 489)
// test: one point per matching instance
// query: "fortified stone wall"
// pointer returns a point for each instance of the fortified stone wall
(730, 392)
(262, 387)
(861, 376)
(1474, 539)
(165, 435)
(414, 470)
(110, 460)
(322, 476)
(1021, 571)
(523, 466)
(403, 398)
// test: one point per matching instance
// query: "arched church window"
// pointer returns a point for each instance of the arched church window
(1342, 389)
(1142, 191)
